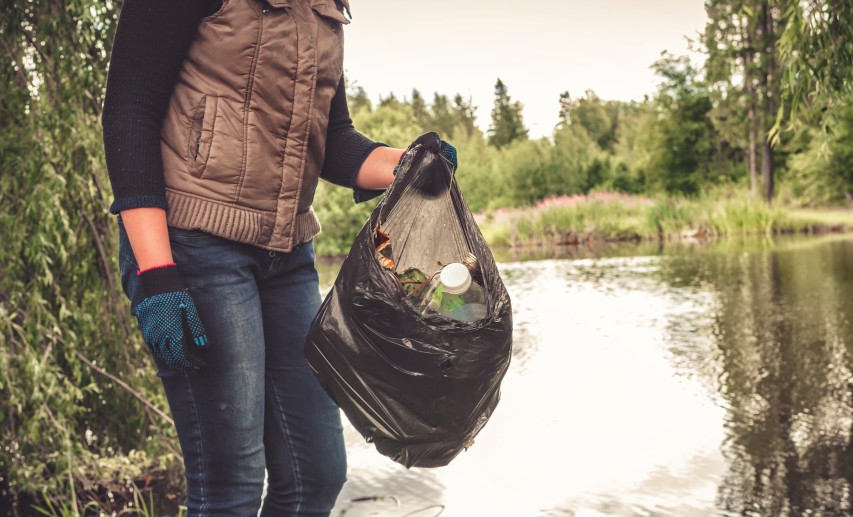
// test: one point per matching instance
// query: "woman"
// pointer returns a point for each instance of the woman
(219, 119)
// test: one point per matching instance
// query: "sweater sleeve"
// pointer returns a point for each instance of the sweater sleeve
(346, 148)
(151, 41)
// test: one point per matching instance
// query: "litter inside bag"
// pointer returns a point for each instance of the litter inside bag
(419, 387)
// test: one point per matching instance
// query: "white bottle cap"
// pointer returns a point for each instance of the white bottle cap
(456, 278)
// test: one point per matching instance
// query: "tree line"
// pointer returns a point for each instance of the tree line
(771, 103)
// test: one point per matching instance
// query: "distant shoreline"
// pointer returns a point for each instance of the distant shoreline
(589, 220)
(612, 218)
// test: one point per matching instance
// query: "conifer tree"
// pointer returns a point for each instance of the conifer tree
(507, 124)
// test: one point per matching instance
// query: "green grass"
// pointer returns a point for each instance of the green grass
(644, 219)
(605, 217)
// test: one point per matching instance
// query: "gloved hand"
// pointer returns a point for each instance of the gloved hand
(169, 320)
(433, 142)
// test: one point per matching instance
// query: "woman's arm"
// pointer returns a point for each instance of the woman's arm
(353, 160)
(377, 170)
(151, 41)
(148, 235)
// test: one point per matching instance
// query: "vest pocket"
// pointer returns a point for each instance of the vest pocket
(201, 134)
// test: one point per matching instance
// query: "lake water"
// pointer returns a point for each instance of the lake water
(685, 381)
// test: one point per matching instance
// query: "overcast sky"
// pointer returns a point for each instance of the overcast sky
(538, 48)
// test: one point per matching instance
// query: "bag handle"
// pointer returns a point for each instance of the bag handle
(402, 177)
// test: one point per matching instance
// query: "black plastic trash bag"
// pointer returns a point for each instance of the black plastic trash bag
(420, 388)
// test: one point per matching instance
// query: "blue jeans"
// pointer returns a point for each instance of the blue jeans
(256, 405)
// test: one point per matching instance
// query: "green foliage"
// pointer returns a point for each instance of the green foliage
(817, 177)
(816, 53)
(391, 122)
(480, 175)
(341, 219)
(527, 167)
(777, 66)
(577, 163)
(74, 371)
(680, 146)
(598, 118)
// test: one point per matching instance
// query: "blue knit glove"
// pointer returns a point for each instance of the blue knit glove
(434, 143)
(169, 320)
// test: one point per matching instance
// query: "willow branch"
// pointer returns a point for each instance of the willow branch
(17, 59)
(101, 253)
(126, 386)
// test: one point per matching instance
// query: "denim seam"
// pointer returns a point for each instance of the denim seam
(200, 446)
(290, 448)
(270, 266)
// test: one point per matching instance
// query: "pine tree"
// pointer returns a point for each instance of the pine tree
(507, 124)
(419, 107)
(464, 112)
(565, 110)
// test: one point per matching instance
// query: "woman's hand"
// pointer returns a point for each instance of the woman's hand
(434, 143)
(167, 316)
(169, 320)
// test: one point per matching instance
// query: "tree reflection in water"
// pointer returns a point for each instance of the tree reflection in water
(783, 338)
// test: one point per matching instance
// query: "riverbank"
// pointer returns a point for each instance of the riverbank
(611, 217)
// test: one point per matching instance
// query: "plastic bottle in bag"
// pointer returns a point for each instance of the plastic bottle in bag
(452, 294)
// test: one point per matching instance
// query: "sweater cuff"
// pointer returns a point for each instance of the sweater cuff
(159, 280)
(360, 195)
(126, 203)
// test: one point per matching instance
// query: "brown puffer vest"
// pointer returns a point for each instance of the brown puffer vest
(244, 135)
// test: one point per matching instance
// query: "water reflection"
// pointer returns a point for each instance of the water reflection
(696, 381)
(782, 333)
